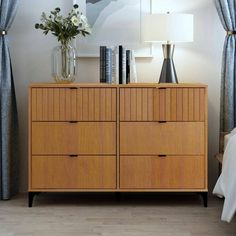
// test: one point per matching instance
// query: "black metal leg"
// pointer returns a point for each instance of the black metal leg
(31, 198)
(117, 196)
(204, 196)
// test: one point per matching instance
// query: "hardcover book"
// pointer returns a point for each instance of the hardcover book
(120, 64)
(115, 65)
(108, 66)
(124, 66)
(127, 66)
(102, 64)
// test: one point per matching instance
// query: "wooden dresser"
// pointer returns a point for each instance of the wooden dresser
(118, 138)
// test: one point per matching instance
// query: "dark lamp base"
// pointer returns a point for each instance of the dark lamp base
(168, 73)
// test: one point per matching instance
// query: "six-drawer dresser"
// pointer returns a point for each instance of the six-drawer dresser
(118, 138)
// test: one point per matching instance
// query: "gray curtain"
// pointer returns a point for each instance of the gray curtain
(8, 110)
(227, 13)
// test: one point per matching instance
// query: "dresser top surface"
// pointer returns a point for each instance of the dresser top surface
(135, 85)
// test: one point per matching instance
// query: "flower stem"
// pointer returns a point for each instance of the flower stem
(64, 61)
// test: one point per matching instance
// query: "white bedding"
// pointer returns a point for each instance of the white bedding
(226, 184)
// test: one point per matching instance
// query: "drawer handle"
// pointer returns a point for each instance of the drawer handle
(161, 155)
(73, 121)
(162, 121)
(73, 155)
(161, 88)
(73, 88)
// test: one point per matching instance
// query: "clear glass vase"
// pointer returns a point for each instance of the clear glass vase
(64, 66)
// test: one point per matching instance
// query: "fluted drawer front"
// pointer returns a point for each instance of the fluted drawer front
(136, 104)
(65, 172)
(169, 172)
(151, 138)
(81, 104)
(162, 104)
(84, 138)
(179, 104)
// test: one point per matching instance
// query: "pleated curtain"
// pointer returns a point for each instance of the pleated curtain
(227, 13)
(8, 111)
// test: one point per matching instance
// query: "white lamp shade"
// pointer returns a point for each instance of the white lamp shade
(167, 27)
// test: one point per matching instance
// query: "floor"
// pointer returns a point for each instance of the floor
(103, 215)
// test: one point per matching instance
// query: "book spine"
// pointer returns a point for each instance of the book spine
(108, 65)
(120, 63)
(100, 56)
(124, 66)
(127, 66)
(102, 64)
(133, 71)
(115, 65)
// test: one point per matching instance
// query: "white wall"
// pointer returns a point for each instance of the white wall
(195, 62)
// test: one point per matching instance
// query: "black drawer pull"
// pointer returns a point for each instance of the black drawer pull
(74, 155)
(73, 121)
(162, 121)
(162, 88)
(73, 88)
(161, 155)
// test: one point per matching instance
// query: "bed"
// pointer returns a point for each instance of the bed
(226, 183)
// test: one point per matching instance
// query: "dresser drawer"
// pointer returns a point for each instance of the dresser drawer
(62, 138)
(80, 104)
(170, 172)
(162, 104)
(65, 172)
(172, 138)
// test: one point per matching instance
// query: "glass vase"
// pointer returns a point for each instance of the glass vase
(64, 66)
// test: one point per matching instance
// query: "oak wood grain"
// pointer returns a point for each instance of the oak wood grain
(155, 172)
(176, 138)
(136, 104)
(179, 104)
(65, 104)
(73, 172)
(59, 138)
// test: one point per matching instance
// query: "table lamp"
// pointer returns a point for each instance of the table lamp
(168, 29)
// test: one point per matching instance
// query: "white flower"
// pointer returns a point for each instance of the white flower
(75, 21)
(83, 19)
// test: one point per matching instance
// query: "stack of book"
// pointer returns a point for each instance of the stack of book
(117, 65)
